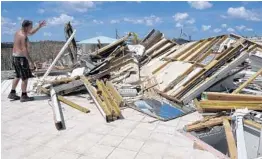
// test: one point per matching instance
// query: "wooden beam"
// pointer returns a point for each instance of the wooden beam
(72, 104)
(209, 123)
(253, 124)
(251, 79)
(118, 98)
(230, 97)
(230, 140)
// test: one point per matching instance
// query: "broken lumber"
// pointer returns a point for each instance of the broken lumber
(230, 139)
(72, 104)
(204, 124)
(230, 97)
(251, 79)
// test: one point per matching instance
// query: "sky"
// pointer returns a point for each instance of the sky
(196, 19)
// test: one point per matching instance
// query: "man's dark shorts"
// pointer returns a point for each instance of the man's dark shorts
(22, 68)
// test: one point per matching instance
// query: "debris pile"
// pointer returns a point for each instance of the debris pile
(219, 77)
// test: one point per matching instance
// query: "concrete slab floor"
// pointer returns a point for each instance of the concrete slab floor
(28, 131)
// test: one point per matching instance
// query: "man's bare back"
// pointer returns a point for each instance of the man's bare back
(20, 44)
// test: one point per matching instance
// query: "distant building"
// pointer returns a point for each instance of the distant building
(92, 44)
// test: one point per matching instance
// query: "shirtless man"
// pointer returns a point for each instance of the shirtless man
(22, 62)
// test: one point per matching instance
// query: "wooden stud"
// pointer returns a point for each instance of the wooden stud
(230, 140)
(251, 79)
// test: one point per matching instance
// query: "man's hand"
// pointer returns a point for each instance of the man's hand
(42, 23)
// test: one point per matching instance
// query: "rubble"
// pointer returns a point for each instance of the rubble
(217, 77)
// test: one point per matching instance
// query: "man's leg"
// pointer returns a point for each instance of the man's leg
(24, 97)
(12, 94)
(15, 82)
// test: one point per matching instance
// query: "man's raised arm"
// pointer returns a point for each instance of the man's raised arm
(40, 25)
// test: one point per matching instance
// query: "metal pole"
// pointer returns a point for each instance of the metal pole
(57, 57)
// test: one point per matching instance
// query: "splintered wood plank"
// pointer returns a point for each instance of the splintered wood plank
(205, 124)
(243, 85)
(230, 140)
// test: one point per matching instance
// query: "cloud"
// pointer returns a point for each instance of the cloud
(180, 16)
(19, 18)
(149, 21)
(224, 25)
(241, 27)
(179, 25)
(217, 30)
(47, 34)
(249, 29)
(60, 20)
(206, 27)
(8, 26)
(40, 11)
(98, 21)
(243, 13)
(230, 30)
(200, 5)
(114, 21)
(70, 7)
(191, 21)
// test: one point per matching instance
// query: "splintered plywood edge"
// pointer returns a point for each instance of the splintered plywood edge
(230, 139)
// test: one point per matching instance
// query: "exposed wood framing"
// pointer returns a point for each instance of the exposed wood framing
(251, 79)
(230, 97)
(230, 140)
(207, 82)
(176, 56)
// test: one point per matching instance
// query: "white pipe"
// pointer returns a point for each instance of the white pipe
(57, 111)
(57, 57)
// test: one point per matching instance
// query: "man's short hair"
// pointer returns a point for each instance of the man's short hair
(27, 23)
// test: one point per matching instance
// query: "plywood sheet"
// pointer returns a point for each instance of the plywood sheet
(170, 73)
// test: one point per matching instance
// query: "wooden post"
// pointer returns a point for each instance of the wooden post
(230, 140)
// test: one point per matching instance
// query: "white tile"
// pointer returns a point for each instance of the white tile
(42, 152)
(165, 129)
(196, 154)
(153, 147)
(182, 124)
(149, 126)
(65, 155)
(101, 129)
(131, 144)
(121, 153)
(134, 117)
(120, 132)
(41, 138)
(173, 122)
(192, 117)
(100, 151)
(80, 145)
(128, 124)
(110, 140)
(177, 152)
(140, 134)
(142, 155)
